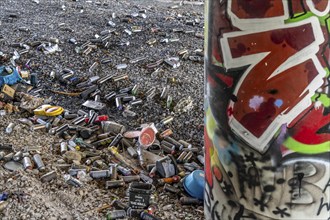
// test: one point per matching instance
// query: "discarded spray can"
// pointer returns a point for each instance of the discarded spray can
(140, 156)
(100, 174)
(78, 120)
(62, 128)
(181, 156)
(147, 216)
(110, 96)
(85, 133)
(103, 142)
(8, 157)
(166, 120)
(38, 161)
(116, 214)
(103, 136)
(190, 201)
(113, 171)
(171, 189)
(48, 176)
(56, 120)
(165, 133)
(93, 67)
(72, 181)
(39, 127)
(127, 142)
(185, 144)
(191, 149)
(120, 77)
(74, 172)
(27, 164)
(128, 113)
(132, 152)
(201, 159)
(188, 157)
(136, 102)
(110, 126)
(63, 147)
(18, 156)
(167, 149)
(189, 167)
(119, 103)
(9, 128)
(173, 179)
(114, 184)
(171, 140)
(145, 178)
(119, 205)
(152, 208)
(99, 164)
(69, 116)
(153, 171)
(116, 140)
(124, 171)
(92, 117)
(91, 160)
(134, 213)
(128, 179)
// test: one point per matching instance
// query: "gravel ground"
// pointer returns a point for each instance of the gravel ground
(28, 22)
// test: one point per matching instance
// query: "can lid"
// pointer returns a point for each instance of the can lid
(147, 136)
(13, 166)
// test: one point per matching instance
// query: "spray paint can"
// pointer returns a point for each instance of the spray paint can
(188, 157)
(190, 201)
(124, 171)
(114, 184)
(171, 189)
(113, 171)
(74, 172)
(201, 159)
(128, 179)
(116, 214)
(38, 161)
(153, 171)
(134, 213)
(173, 179)
(27, 164)
(147, 216)
(110, 126)
(9, 128)
(8, 157)
(116, 140)
(100, 174)
(18, 156)
(48, 176)
(181, 156)
(119, 205)
(132, 152)
(63, 147)
(72, 181)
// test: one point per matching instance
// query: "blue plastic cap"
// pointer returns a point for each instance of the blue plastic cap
(194, 184)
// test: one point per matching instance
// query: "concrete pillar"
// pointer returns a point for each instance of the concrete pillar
(267, 109)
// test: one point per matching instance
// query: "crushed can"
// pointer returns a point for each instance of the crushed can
(167, 166)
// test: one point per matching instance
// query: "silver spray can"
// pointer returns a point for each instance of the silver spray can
(27, 164)
(38, 161)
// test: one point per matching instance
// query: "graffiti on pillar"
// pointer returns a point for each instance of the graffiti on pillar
(267, 109)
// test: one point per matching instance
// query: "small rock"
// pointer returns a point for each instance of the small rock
(70, 156)
(167, 207)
